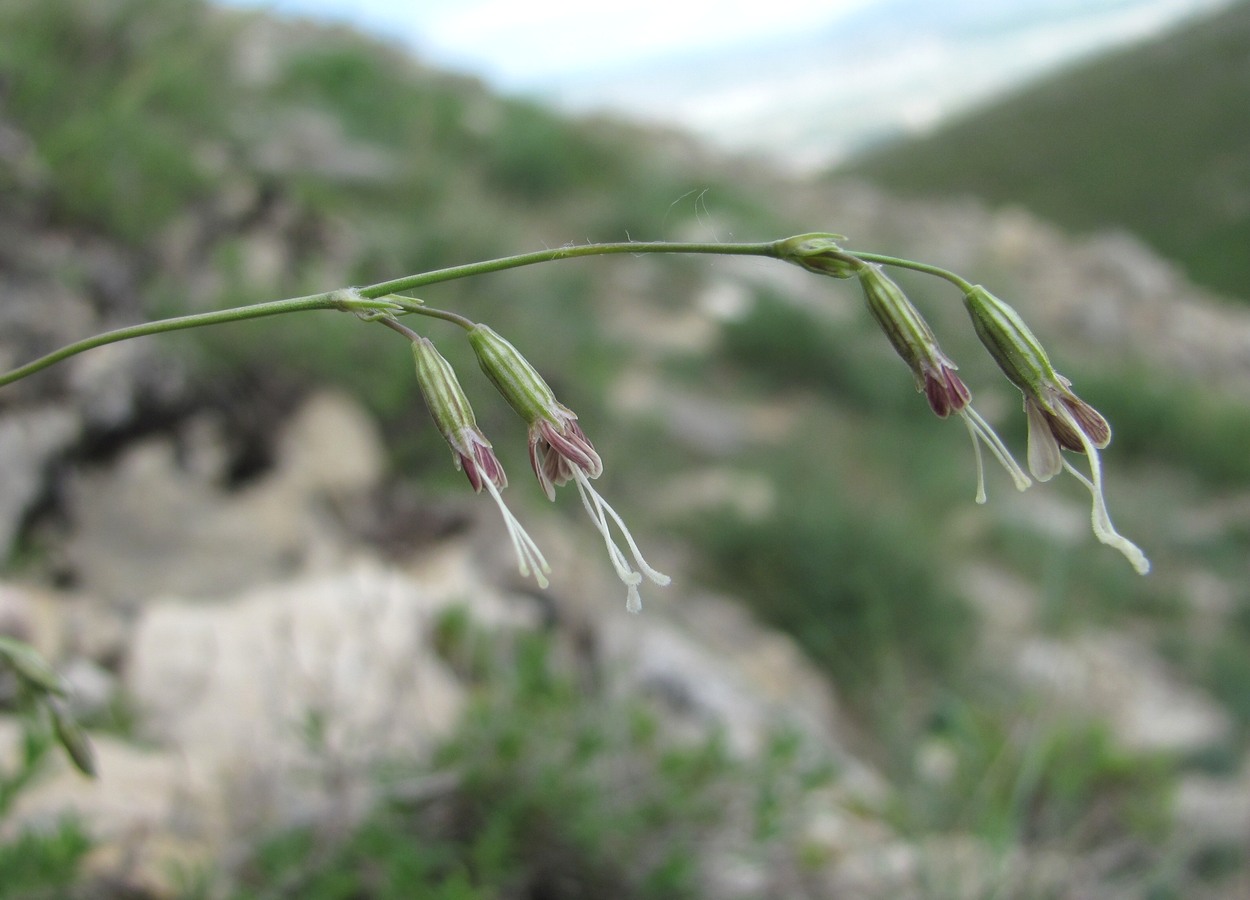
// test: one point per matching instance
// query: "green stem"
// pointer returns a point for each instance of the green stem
(412, 282)
(340, 300)
(374, 298)
(901, 263)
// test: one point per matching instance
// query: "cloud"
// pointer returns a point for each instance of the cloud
(529, 42)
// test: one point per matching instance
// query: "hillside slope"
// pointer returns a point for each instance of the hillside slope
(1154, 138)
(1004, 700)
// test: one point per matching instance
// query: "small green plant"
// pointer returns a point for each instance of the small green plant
(43, 864)
(1014, 779)
(549, 789)
(39, 863)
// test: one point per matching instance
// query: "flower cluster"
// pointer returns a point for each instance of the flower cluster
(559, 450)
(913, 340)
(1057, 418)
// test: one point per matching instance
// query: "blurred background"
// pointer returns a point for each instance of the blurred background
(299, 643)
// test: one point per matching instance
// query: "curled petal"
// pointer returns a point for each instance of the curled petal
(945, 390)
(1088, 420)
(472, 453)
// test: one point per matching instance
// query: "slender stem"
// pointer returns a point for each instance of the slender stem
(446, 316)
(373, 297)
(411, 282)
(402, 329)
(340, 300)
(378, 298)
(901, 263)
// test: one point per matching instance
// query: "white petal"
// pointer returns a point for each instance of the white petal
(1045, 457)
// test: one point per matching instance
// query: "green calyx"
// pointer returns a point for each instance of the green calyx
(819, 252)
(516, 380)
(1012, 344)
(448, 405)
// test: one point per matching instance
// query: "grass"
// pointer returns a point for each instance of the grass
(43, 864)
(860, 589)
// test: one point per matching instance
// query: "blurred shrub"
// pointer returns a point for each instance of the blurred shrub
(788, 346)
(860, 590)
(36, 863)
(554, 790)
(1163, 418)
(43, 864)
(120, 126)
(1012, 778)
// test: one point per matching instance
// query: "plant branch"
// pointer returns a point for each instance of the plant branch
(900, 263)
(411, 282)
(380, 298)
(345, 301)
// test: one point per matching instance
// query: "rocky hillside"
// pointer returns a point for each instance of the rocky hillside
(304, 652)
(1140, 139)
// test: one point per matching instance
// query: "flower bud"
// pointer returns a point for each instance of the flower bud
(454, 418)
(72, 737)
(559, 451)
(913, 340)
(29, 666)
(819, 253)
(1024, 361)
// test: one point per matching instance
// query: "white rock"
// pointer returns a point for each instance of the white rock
(28, 441)
(1117, 678)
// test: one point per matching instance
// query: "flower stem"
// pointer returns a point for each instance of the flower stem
(347, 301)
(379, 298)
(411, 282)
(926, 268)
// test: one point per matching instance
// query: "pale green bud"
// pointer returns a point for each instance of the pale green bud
(913, 340)
(557, 443)
(32, 668)
(513, 376)
(72, 737)
(1012, 344)
(452, 415)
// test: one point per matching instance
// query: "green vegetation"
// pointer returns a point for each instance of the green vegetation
(36, 863)
(790, 347)
(1014, 776)
(42, 865)
(549, 789)
(338, 161)
(861, 591)
(1150, 139)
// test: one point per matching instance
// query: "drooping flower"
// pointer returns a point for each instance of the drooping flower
(471, 451)
(559, 450)
(913, 340)
(1057, 418)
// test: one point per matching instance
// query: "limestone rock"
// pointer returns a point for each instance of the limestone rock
(29, 441)
(1115, 677)
(158, 522)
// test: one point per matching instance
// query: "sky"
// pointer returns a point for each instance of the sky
(809, 83)
(520, 44)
